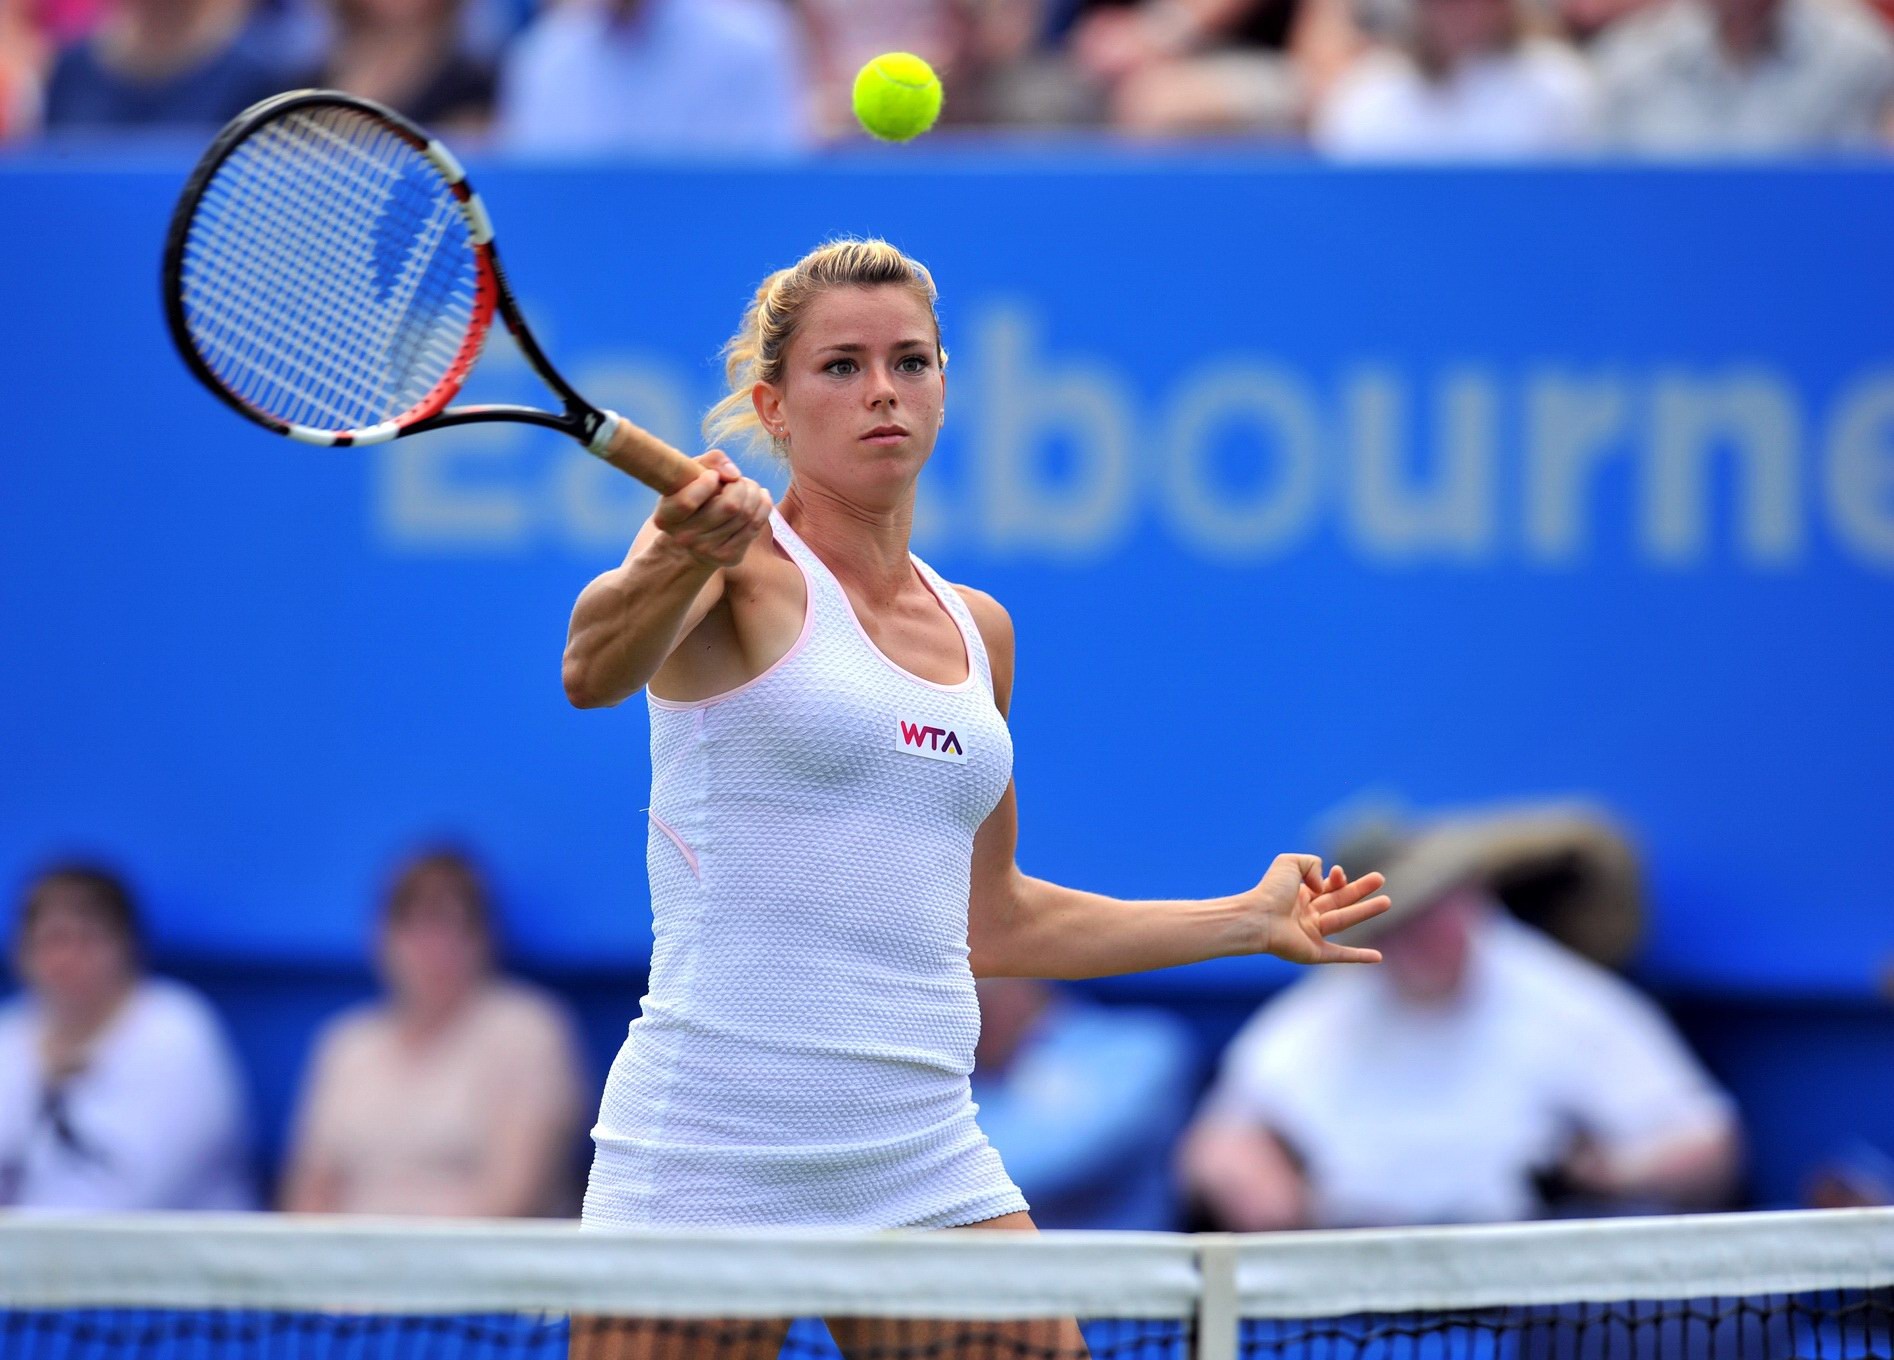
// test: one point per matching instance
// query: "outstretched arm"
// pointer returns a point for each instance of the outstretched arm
(1020, 926)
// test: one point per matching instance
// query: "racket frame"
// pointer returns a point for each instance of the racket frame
(579, 418)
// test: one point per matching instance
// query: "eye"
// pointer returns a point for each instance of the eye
(914, 363)
(839, 367)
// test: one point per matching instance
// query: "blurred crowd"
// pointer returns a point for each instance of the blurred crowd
(1496, 1067)
(1450, 79)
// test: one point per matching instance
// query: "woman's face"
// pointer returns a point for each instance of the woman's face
(861, 395)
(434, 952)
(70, 959)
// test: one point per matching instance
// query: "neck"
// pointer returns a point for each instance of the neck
(1746, 35)
(866, 545)
(72, 1031)
(421, 1022)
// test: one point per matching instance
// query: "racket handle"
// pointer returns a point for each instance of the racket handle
(639, 453)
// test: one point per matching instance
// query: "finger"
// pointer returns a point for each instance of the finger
(732, 526)
(730, 504)
(1341, 953)
(1336, 920)
(686, 501)
(1311, 869)
(720, 463)
(1350, 893)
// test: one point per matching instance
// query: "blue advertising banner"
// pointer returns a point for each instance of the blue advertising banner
(1302, 486)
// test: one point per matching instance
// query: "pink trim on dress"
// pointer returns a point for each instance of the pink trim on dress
(802, 638)
(690, 855)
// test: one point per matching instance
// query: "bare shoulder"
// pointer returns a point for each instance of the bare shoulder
(990, 616)
(996, 631)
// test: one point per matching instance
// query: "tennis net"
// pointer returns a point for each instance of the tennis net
(168, 1287)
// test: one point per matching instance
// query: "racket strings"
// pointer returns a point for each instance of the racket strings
(329, 279)
(304, 372)
(377, 367)
(253, 271)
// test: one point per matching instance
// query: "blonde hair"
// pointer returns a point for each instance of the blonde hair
(755, 353)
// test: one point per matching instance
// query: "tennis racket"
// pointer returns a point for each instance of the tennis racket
(330, 274)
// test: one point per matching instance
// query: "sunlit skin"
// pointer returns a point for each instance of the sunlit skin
(705, 601)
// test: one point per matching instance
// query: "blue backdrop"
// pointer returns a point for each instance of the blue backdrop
(1299, 483)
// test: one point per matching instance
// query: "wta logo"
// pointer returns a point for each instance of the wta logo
(935, 743)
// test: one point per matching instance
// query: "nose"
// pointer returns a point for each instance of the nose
(881, 388)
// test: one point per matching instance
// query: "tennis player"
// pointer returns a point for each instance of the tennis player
(832, 820)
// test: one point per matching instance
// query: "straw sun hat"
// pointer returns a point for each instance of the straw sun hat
(1566, 867)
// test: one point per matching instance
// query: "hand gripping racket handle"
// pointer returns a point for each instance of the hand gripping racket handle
(641, 454)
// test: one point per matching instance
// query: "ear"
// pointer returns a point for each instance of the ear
(768, 401)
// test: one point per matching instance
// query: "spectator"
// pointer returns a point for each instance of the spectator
(164, 64)
(1480, 1073)
(1747, 77)
(1084, 1103)
(672, 76)
(460, 1094)
(118, 1091)
(23, 57)
(409, 55)
(1175, 67)
(1469, 83)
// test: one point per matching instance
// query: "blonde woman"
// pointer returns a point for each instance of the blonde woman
(832, 814)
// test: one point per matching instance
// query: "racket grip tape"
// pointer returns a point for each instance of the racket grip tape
(639, 453)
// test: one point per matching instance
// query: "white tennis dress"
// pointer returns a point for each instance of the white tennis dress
(803, 1054)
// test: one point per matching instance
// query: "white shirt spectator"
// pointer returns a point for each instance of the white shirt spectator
(1404, 1113)
(155, 1120)
(672, 76)
(1534, 100)
(1670, 87)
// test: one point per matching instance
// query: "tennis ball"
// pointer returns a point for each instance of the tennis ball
(897, 96)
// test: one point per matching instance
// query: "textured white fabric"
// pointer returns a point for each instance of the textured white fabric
(804, 1050)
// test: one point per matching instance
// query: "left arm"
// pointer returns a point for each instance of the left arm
(1019, 926)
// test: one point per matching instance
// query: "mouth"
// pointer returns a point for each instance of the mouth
(885, 434)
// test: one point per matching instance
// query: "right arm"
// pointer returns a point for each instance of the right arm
(628, 621)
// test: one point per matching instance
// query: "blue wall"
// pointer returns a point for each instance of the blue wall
(1297, 482)
(1448, 485)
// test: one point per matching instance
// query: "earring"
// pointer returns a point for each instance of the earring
(779, 444)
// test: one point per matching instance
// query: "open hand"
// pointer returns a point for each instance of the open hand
(1298, 908)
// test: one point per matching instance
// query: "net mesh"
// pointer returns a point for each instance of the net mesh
(328, 275)
(1818, 1325)
(1752, 1287)
(236, 1335)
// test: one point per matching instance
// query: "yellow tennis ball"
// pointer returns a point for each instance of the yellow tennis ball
(897, 96)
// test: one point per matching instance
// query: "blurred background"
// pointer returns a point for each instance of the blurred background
(1454, 435)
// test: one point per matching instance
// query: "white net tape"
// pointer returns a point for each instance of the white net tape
(1818, 1286)
(328, 278)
